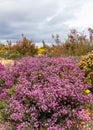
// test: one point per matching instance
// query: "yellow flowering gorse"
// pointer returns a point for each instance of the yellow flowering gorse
(86, 64)
(87, 91)
(41, 51)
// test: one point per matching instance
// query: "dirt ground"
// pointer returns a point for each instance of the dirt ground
(6, 62)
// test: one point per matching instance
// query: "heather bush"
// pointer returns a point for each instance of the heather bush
(1, 67)
(3, 95)
(45, 94)
(86, 64)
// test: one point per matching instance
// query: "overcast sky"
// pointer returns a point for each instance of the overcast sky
(39, 19)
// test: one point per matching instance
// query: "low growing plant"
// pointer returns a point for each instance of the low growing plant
(45, 94)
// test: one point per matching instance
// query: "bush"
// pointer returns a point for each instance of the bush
(3, 95)
(76, 44)
(25, 47)
(46, 94)
(86, 64)
(20, 49)
(1, 67)
(41, 50)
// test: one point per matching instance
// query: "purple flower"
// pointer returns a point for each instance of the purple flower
(49, 93)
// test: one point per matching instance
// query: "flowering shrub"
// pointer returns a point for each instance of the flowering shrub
(41, 51)
(87, 91)
(46, 94)
(3, 94)
(1, 67)
(22, 48)
(86, 64)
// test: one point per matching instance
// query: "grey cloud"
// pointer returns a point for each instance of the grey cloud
(36, 18)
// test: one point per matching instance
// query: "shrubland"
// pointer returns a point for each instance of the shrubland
(20, 49)
(52, 91)
(44, 94)
(76, 44)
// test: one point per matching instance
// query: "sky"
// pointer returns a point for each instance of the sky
(39, 19)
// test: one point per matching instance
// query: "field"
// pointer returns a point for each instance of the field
(47, 88)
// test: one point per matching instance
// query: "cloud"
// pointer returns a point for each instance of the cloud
(84, 19)
(37, 19)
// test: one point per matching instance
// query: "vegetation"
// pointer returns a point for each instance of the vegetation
(77, 44)
(50, 92)
(86, 64)
(22, 48)
(44, 94)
